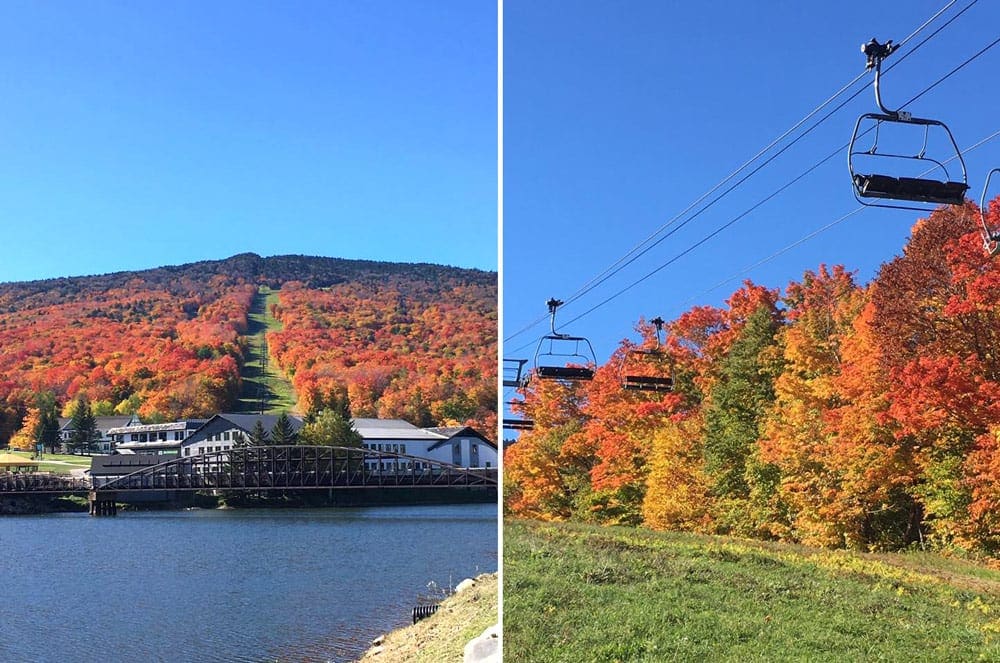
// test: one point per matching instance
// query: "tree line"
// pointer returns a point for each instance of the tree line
(832, 414)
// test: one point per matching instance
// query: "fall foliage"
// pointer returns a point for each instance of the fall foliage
(411, 341)
(832, 414)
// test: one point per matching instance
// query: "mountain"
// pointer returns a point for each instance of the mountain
(416, 341)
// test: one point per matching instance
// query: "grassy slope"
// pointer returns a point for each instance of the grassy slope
(281, 396)
(580, 593)
(441, 638)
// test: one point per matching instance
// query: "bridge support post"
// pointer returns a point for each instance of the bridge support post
(102, 503)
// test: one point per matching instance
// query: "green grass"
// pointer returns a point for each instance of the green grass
(582, 593)
(281, 395)
(65, 462)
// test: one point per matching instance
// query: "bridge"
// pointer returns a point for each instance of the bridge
(261, 469)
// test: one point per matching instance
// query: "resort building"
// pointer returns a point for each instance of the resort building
(460, 445)
(104, 444)
(222, 431)
(153, 438)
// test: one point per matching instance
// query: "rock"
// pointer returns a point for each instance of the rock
(465, 584)
(485, 648)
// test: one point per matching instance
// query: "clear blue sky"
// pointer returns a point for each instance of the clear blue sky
(141, 134)
(617, 115)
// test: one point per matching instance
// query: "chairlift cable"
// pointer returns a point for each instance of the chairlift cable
(813, 234)
(620, 292)
(626, 260)
(639, 250)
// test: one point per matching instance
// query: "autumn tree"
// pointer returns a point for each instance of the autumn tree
(820, 311)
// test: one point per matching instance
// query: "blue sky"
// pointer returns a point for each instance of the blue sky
(142, 134)
(617, 116)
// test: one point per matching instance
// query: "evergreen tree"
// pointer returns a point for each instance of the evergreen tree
(259, 436)
(84, 427)
(48, 429)
(283, 433)
(49, 436)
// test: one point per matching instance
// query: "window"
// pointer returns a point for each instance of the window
(225, 436)
(187, 451)
(402, 448)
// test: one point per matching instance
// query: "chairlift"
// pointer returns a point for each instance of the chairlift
(887, 187)
(555, 353)
(518, 424)
(513, 423)
(514, 374)
(991, 236)
(635, 366)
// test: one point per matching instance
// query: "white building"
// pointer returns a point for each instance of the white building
(222, 431)
(460, 445)
(153, 438)
(105, 444)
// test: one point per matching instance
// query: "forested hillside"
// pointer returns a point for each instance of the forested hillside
(408, 340)
(832, 414)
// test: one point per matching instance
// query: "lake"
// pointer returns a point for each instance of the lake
(229, 585)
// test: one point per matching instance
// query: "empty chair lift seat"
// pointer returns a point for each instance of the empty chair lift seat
(564, 373)
(647, 383)
(911, 188)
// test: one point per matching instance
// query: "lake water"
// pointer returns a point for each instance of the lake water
(246, 585)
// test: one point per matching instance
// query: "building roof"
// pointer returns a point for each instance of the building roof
(244, 422)
(393, 429)
(185, 424)
(102, 423)
(248, 421)
(122, 464)
(448, 432)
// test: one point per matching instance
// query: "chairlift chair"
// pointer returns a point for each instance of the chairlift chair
(514, 374)
(631, 380)
(513, 423)
(886, 187)
(555, 353)
(991, 236)
(518, 424)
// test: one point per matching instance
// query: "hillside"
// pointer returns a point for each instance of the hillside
(586, 593)
(410, 340)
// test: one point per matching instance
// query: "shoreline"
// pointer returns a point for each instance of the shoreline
(442, 637)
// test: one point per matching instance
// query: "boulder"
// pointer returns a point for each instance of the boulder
(485, 648)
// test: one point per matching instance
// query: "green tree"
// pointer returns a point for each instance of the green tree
(283, 433)
(48, 436)
(330, 428)
(259, 436)
(735, 413)
(84, 427)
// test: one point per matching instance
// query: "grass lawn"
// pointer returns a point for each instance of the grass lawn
(582, 593)
(64, 462)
